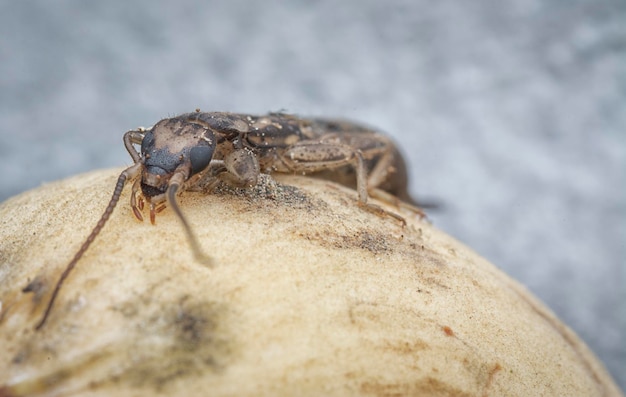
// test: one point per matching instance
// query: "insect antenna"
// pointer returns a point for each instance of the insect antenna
(193, 240)
(119, 186)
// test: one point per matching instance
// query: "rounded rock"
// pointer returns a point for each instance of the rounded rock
(308, 294)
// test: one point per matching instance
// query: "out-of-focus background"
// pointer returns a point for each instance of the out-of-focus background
(512, 114)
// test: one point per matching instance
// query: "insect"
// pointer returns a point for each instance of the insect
(196, 148)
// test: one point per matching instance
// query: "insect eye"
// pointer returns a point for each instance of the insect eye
(147, 142)
(200, 157)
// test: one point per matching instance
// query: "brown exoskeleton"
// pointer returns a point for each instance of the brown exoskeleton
(178, 152)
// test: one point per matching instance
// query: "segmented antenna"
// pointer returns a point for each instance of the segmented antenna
(119, 186)
(193, 240)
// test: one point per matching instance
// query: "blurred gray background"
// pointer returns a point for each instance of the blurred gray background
(511, 113)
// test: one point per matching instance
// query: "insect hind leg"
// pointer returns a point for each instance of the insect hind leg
(311, 157)
(315, 156)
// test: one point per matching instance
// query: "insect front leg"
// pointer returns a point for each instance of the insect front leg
(242, 168)
(131, 138)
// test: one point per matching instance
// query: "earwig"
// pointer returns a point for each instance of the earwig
(180, 152)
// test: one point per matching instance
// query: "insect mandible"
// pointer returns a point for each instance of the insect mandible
(180, 152)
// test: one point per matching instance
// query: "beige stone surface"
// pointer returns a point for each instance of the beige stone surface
(308, 295)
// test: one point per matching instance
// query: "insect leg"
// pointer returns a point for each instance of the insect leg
(134, 137)
(207, 180)
(317, 156)
(387, 182)
(242, 168)
(129, 173)
(382, 169)
(131, 138)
